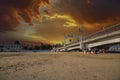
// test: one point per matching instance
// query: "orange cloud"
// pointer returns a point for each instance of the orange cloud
(90, 12)
(66, 17)
(70, 22)
(12, 10)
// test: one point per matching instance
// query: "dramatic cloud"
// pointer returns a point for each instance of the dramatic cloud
(12, 10)
(90, 11)
(20, 18)
(53, 30)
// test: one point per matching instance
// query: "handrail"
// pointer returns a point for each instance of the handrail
(105, 31)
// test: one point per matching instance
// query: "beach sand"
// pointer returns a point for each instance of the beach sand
(59, 66)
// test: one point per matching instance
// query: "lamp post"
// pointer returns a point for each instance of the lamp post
(81, 38)
(64, 42)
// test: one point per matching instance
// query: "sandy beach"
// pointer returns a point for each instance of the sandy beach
(59, 66)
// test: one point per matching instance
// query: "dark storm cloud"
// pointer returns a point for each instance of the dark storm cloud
(90, 11)
(12, 10)
(92, 14)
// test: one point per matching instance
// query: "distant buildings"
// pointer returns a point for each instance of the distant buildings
(11, 46)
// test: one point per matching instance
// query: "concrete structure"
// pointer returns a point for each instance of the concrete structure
(107, 38)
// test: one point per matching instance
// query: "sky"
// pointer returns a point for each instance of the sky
(48, 20)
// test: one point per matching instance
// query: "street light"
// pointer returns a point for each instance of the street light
(64, 42)
(81, 38)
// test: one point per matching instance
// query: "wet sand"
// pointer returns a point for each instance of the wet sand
(59, 66)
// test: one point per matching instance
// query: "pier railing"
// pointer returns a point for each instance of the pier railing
(104, 31)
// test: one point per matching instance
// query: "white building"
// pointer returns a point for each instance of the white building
(10, 47)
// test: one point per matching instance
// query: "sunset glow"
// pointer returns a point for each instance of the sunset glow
(48, 20)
